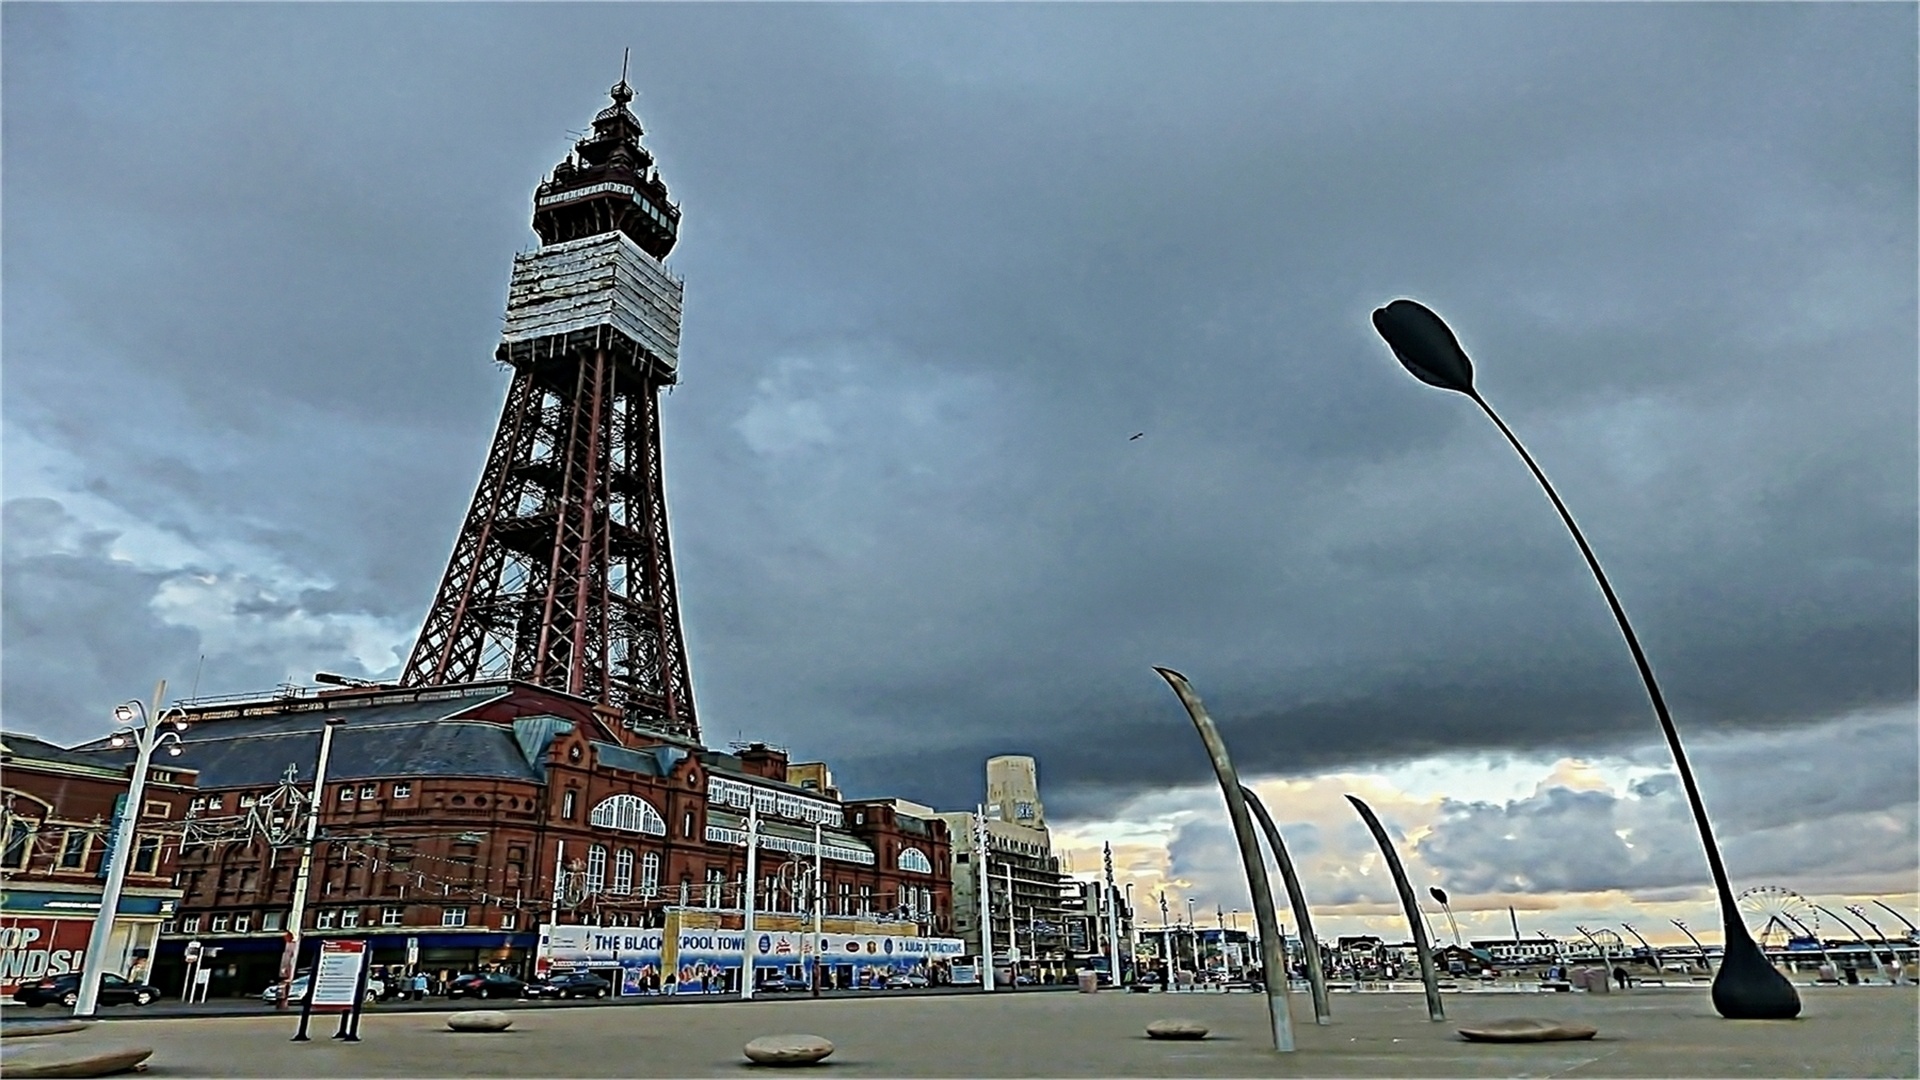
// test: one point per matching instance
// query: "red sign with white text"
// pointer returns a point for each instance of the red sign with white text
(36, 947)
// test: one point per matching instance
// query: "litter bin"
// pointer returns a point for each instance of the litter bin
(1089, 982)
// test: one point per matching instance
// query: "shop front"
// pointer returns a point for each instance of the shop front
(244, 965)
(692, 956)
(46, 932)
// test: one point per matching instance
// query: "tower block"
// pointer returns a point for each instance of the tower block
(562, 574)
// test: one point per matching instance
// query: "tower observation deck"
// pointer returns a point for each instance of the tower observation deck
(562, 574)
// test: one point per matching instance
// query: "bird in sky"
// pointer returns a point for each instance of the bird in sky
(1135, 435)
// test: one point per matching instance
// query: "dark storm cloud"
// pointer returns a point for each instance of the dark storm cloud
(943, 261)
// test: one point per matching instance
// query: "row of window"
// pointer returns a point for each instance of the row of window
(347, 918)
(778, 894)
(217, 803)
(73, 849)
(622, 871)
(625, 813)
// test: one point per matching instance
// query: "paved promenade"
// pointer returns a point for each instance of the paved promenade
(1844, 1031)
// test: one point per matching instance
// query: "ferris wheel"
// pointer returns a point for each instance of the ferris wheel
(1776, 914)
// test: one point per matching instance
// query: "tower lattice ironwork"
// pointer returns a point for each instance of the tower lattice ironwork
(562, 574)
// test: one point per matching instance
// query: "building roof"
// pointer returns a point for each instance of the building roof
(731, 767)
(647, 761)
(415, 738)
(19, 747)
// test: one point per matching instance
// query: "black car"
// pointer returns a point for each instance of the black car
(487, 984)
(65, 989)
(571, 985)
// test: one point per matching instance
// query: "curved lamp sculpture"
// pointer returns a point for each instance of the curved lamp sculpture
(1872, 953)
(1440, 896)
(1911, 929)
(1421, 943)
(1747, 987)
(1309, 944)
(1273, 953)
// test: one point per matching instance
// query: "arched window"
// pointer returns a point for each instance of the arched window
(628, 813)
(623, 871)
(596, 868)
(915, 860)
(650, 874)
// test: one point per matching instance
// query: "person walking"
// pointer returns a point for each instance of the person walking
(1620, 976)
(419, 985)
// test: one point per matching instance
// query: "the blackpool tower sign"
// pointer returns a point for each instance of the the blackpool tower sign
(562, 574)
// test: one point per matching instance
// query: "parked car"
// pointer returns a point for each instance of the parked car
(376, 989)
(781, 984)
(573, 984)
(65, 989)
(905, 981)
(486, 984)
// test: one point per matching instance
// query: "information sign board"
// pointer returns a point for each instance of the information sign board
(336, 978)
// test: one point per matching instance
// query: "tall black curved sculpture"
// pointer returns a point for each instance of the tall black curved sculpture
(1747, 987)
(1421, 943)
(1309, 944)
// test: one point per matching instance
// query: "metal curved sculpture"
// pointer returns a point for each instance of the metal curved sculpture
(1747, 987)
(1421, 943)
(1273, 957)
(1899, 973)
(1309, 944)
(1872, 953)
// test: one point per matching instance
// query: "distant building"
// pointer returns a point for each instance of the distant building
(1025, 887)
(1512, 953)
(1085, 909)
(456, 820)
(56, 810)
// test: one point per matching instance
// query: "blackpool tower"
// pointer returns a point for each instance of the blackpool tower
(562, 574)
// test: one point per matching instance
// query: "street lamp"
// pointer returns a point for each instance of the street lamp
(1440, 894)
(1861, 914)
(147, 730)
(1748, 987)
(1193, 939)
(1166, 947)
(1699, 948)
(290, 954)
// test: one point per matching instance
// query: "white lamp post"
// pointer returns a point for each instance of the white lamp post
(297, 915)
(819, 907)
(746, 904)
(983, 876)
(145, 729)
(1113, 919)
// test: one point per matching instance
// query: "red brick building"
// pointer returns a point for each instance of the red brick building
(57, 808)
(456, 819)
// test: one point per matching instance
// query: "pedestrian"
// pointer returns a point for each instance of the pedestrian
(419, 983)
(1620, 976)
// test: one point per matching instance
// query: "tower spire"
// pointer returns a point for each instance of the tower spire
(609, 184)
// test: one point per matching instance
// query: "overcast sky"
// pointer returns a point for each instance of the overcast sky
(942, 262)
